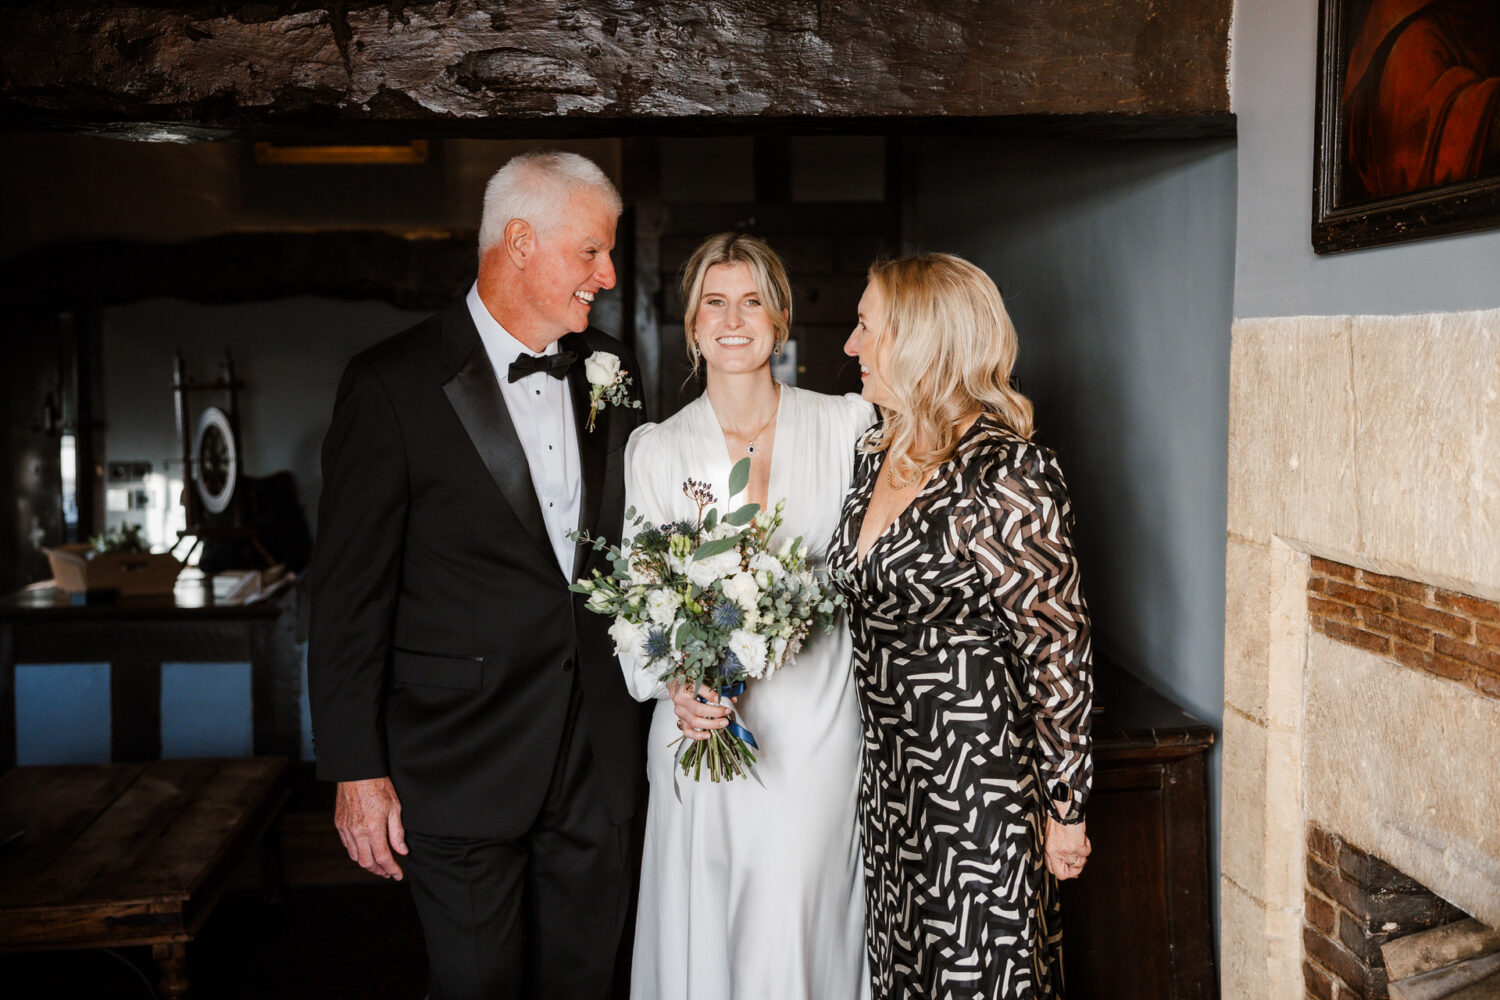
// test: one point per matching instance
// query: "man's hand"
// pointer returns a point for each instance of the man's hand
(1066, 848)
(368, 817)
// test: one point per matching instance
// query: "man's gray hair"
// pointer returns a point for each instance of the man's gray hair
(534, 187)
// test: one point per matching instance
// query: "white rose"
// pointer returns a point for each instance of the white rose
(602, 368)
(704, 572)
(751, 651)
(627, 637)
(661, 605)
(742, 590)
(765, 562)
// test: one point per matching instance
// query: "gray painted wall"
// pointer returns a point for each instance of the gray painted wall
(1116, 260)
(1116, 263)
(1274, 75)
(289, 352)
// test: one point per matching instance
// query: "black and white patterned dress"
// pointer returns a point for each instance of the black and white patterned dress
(972, 659)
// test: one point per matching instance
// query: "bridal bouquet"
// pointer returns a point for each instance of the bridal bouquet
(707, 602)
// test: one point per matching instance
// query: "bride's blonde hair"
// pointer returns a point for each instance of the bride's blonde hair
(946, 348)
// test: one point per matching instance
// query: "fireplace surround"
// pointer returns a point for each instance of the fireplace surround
(1364, 453)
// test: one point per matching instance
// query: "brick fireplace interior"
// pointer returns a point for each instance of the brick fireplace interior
(1354, 904)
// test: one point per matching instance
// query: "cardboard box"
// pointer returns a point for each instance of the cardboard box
(76, 571)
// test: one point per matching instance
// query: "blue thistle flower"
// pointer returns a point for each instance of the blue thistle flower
(727, 614)
(658, 644)
(730, 668)
(683, 527)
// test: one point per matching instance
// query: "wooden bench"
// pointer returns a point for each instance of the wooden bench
(130, 854)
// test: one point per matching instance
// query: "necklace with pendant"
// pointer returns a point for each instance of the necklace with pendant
(750, 449)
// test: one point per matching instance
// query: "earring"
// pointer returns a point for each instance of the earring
(777, 350)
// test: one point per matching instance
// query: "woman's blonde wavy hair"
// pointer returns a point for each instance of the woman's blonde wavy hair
(951, 350)
(766, 270)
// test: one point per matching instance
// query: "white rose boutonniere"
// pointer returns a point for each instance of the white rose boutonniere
(608, 383)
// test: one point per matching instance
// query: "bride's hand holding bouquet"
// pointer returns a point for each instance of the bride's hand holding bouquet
(706, 603)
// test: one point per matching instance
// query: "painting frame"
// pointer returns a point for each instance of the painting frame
(1342, 221)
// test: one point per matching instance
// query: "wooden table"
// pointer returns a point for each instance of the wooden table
(130, 854)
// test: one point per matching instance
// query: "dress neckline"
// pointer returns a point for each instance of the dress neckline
(783, 395)
(867, 490)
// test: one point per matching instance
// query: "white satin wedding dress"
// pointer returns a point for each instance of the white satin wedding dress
(752, 889)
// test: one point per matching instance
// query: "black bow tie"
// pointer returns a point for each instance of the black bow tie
(556, 365)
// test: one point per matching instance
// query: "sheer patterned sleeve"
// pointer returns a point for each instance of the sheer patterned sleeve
(1023, 544)
(641, 494)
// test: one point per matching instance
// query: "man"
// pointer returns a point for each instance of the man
(470, 709)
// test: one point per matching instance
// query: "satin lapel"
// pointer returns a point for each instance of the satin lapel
(591, 444)
(475, 397)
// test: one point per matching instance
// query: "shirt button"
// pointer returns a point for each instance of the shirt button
(539, 392)
(567, 665)
(549, 503)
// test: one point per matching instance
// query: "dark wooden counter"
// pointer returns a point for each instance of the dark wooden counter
(1137, 925)
(135, 636)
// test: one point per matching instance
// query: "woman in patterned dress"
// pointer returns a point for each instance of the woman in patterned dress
(971, 648)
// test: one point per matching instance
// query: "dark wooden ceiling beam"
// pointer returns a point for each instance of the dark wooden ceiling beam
(468, 67)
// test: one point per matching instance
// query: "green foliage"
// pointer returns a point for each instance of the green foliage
(743, 516)
(717, 546)
(739, 477)
(126, 538)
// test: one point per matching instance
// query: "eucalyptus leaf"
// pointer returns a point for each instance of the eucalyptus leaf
(739, 477)
(711, 519)
(717, 546)
(743, 516)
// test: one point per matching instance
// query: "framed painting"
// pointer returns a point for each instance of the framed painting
(1408, 109)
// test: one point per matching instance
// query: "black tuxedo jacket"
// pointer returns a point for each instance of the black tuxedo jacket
(443, 635)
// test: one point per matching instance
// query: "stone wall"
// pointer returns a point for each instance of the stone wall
(1372, 442)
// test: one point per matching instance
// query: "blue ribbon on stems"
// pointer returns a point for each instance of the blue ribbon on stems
(735, 729)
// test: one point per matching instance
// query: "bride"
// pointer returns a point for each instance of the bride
(752, 888)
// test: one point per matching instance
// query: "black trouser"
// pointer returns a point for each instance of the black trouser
(540, 916)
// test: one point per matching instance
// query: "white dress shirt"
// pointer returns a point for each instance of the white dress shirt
(541, 408)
